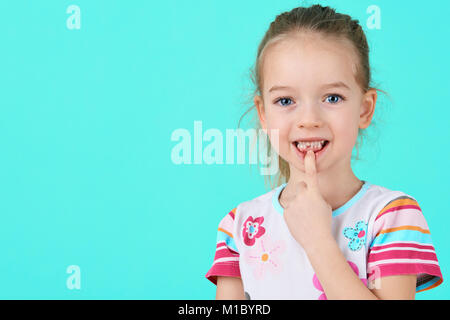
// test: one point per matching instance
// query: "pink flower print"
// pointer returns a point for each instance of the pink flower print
(252, 229)
(318, 286)
(265, 256)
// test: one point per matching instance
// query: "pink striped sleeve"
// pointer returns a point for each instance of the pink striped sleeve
(226, 259)
(402, 245)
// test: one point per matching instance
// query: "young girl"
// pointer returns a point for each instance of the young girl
(325, 234)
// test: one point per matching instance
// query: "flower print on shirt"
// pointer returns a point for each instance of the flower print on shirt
(318, 286)
(265, 256)
(357, 235)
(252, 229)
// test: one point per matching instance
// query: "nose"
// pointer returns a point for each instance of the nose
(309, 116)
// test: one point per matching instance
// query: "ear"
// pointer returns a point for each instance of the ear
(261, 112)
(368, 103)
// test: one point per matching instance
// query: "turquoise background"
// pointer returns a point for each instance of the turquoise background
(85, 136)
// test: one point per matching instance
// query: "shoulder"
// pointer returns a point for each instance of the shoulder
(392, 210)
(382, 196)
(382, 200)
(399, 218)
(258, 206)
(258, 203)
(391, 203)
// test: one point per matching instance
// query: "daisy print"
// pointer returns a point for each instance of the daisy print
(265, 257)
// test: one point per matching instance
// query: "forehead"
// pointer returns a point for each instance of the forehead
(308, 60)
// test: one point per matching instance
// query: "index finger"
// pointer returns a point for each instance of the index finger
(310, 170)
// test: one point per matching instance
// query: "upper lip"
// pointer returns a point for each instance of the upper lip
(310, 139)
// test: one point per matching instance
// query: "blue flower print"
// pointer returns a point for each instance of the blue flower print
(357, 235)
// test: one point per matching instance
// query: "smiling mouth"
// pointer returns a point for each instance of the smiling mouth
(315, 146)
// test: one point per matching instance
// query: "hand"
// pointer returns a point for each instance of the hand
(308, 216)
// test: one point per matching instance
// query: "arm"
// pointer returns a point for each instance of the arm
(399, 287)
(229, 288)
(340, 282)
(225, 272)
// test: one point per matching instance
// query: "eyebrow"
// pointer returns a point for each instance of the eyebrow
(338, 84)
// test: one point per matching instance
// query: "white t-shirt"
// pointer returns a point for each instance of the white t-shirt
(380, 232)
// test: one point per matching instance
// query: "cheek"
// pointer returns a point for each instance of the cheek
(278, 135)
(345, 136)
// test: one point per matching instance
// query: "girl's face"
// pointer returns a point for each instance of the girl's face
(309, 90)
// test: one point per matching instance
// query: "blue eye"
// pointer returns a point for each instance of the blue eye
(335, 98)
(284, 99)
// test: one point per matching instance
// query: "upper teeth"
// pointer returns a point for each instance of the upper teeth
(314, 144)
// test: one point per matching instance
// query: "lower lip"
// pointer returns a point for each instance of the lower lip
(317, 154)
